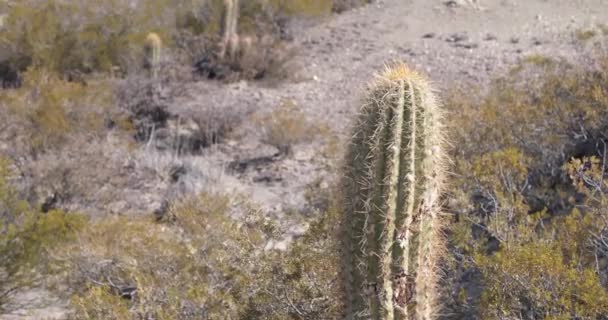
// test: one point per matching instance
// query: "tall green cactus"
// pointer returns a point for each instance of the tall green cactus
(393, 180)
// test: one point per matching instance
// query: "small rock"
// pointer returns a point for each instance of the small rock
(298, 230)
(268, 177)
(489, 37)
(514, 40)
(118, 207)
(303, 155)
(536, 41)
(470, 45)
(324, 185)
(281, 245)
(429, 35)
(269, 245)
(451, 4)
(276, 245)
(457, 37)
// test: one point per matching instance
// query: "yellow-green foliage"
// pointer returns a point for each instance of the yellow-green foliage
(26, 237)
(51, 110)
(553, 271)
(255, 16)
(202, 257)
(198, 263)
(75, 38)
(541, 117)
(584, 35)
(538, 277)
(98, 302)
(81, 37)
(303, 7)
(527, 216)
(539, 60)
(286, 126)
(301, 283)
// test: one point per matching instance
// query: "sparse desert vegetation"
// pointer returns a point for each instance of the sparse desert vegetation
(222, 159)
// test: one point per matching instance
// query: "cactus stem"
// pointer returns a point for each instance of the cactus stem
(394, 171)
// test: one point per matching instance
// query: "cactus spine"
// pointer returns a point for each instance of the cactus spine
(393, 180)
(153, 47)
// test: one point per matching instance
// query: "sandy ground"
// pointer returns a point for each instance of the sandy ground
(454, 42)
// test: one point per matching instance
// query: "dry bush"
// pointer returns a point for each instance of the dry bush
(585, 34)
(286, 126)
(169, 119)
(343, 5)
(551, 266)
(76, 39)
(26, 237)
(63, 138)
(519, 222)
(261, 58)
(46, 112)
(193, 266)
(259, 49)
(73, 37)
(302, 7)
(199, 263)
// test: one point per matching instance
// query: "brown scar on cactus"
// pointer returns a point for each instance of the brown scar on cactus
(393, 180)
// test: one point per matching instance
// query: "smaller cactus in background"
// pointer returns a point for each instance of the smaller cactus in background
(153, 51)
(393, 181)
(230, 41)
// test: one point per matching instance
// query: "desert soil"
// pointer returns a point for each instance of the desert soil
(456, 43)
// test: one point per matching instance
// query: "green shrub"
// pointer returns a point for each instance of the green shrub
(192, 267)
(26, 238)
(536, 279)
(198, 263)
(584, 35)
(48, 110)
(286, 126)
(71, 37)
(529, 207)
(539, 60)
(303, 7)
(343, 5)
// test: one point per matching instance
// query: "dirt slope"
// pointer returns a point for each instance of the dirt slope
(454, 42)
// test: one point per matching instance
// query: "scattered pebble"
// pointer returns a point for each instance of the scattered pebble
(489, 37)
(536, 41)
(471, 45)
(457, 37)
